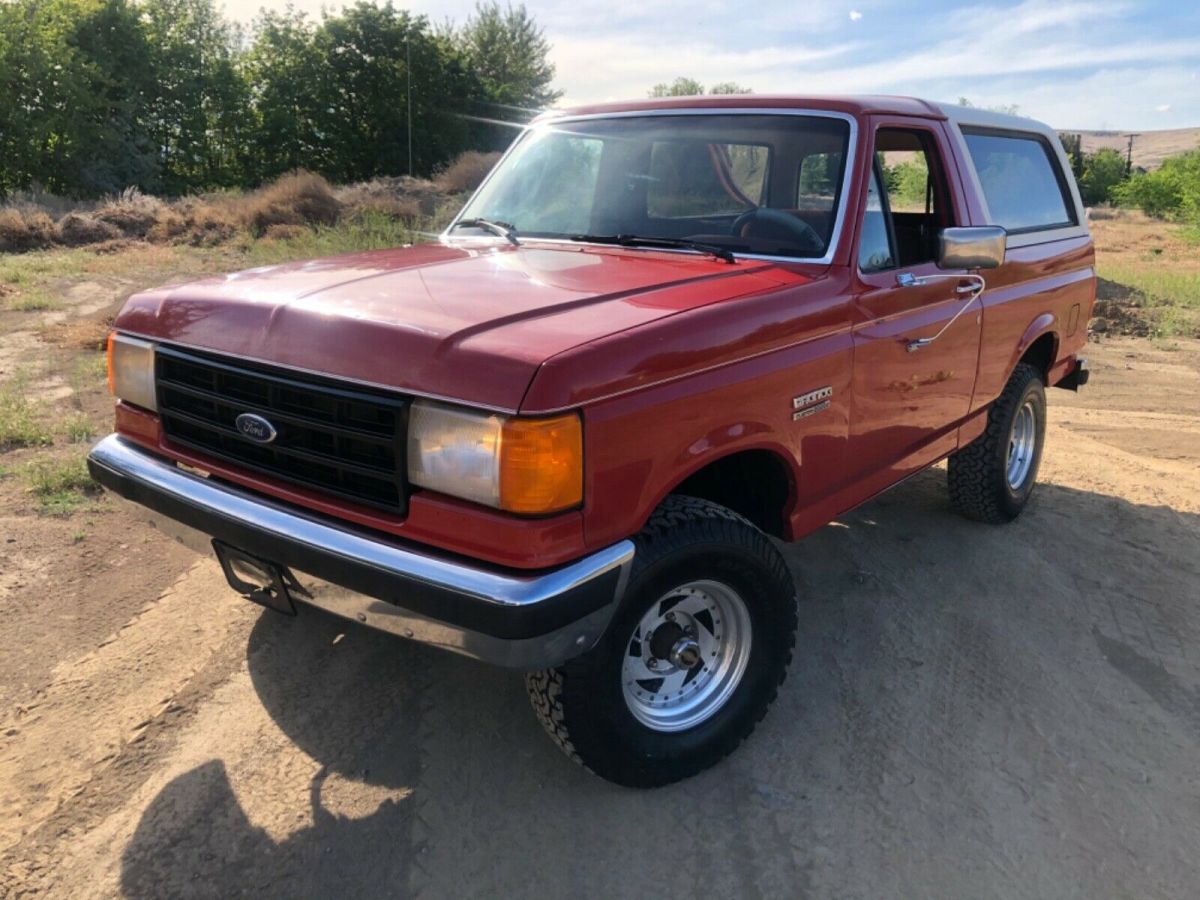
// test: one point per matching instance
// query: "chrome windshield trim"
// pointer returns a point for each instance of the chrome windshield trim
(217, 499)
(835, 235)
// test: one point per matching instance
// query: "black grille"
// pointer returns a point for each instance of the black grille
(344, 441)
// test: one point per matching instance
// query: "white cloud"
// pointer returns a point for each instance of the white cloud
(1166, 107)
(1075, 63)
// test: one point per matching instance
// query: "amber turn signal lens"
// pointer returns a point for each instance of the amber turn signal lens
(541, 464)
(108, 358)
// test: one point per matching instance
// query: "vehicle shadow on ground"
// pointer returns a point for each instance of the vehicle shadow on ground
(917, 630)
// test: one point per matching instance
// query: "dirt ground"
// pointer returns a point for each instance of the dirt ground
(972, 712)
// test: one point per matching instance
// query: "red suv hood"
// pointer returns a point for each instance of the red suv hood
(459, 323)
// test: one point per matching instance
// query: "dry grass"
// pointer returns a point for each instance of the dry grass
(198, 221)
(32, 300)
(132, 213)
(60, 485)
(300, 198)
(280, 211)
(408, 199)
(466, 172)
(25, 228)
(1150, 276)
(78, 229)
(20, 426)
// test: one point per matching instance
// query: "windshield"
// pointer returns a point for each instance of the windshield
(759, 184)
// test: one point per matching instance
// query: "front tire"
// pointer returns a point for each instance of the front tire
(692, 660)
(993, 477)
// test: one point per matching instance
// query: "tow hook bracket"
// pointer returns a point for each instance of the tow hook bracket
(259, 581)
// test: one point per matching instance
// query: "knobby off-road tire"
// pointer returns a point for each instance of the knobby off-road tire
(695, 561)
(992, 478)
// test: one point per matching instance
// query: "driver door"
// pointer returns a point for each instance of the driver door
(907, 403)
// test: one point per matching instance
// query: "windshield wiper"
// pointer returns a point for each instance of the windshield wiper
(635, 240)
(501, 229)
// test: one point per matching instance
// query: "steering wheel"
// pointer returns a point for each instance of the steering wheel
(796, 228)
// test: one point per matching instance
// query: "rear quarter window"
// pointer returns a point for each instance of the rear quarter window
(1024, 188)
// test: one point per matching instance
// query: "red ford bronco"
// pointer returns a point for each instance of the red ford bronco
(562, 437)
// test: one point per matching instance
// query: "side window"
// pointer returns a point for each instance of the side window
(908, 201)
(1021, 181)
(875, 244)
(700, 179)
(917, 198)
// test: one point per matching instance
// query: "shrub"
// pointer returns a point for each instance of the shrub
(1172, 191)
(77, 229)
(169, 226)
(1102, 171)
(132, 212)
(466, 172)
(201, 222)
(299, 198)
(24, 228)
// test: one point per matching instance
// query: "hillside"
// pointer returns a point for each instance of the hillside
(1150, 148)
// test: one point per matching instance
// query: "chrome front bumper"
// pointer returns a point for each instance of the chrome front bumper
(509, 618)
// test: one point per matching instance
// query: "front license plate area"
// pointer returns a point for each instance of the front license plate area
(262, 582)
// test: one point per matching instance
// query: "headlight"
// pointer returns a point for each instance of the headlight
(131, 370)
(530, 466)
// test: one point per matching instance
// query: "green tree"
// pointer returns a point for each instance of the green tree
(690, 87)
(680, 87)
(333, 96)
(284, 68)
(1102, 171)
(908, 182)
(1072, 145)
(168, 95)
(509, 53)
(74, 75)
(1171, 191)
(201, 120)
(729, 87)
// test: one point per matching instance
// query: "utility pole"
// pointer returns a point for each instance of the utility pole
(1129, 154)
(408, 82)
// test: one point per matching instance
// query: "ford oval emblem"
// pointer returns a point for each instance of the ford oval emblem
(256, 428)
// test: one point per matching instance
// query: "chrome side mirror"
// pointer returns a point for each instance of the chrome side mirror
(976, 247)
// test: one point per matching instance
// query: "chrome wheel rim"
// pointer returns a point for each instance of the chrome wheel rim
(1022, 443)
(686, 656)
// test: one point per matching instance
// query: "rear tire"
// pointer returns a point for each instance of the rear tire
(694, 656)
(993, 477)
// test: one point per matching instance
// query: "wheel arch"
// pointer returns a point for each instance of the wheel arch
(758, 482)
(1038, 346)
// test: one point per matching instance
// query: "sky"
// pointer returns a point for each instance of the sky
(1103, 64)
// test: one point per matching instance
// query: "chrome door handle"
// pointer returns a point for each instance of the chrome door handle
(907, 279)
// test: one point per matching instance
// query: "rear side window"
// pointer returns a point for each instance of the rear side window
(1021, 181)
